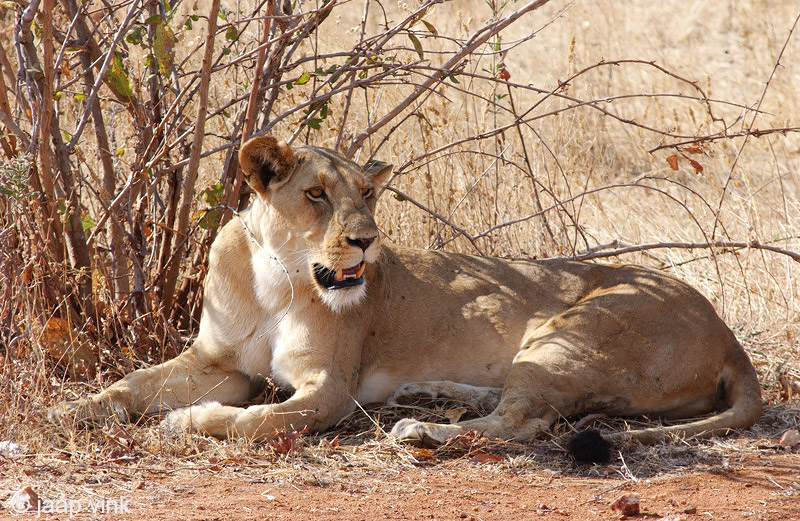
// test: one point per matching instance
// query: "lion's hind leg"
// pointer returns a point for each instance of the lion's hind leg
(508, 420)
(543, 384)
(479, 398)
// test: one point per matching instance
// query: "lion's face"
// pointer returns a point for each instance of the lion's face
(321, 207)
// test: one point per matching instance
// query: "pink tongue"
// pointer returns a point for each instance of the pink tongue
(350, 271)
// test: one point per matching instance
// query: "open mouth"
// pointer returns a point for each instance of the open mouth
(341, 278)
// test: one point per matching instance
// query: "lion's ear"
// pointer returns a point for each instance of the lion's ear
(264, 160)
(377, 171)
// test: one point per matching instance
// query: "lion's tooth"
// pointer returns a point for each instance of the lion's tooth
(361, 270)
(340, 275)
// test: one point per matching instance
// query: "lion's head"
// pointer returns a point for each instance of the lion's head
(319, 208)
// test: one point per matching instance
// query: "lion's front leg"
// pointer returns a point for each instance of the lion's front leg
(313, 407)
(185, 380)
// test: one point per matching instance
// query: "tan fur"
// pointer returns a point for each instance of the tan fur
(557, 338)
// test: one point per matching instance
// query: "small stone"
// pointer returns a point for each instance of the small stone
(24, 500)
(790, 439)
(627, 505)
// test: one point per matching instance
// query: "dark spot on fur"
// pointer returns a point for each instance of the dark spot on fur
(589, 446)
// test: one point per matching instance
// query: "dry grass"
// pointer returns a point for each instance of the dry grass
(594, 175)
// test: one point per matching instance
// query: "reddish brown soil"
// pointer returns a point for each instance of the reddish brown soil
(757, 488)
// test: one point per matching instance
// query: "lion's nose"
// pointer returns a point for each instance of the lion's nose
(361, 243)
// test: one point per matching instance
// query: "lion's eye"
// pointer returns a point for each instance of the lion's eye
(368, 193)
(316, 194)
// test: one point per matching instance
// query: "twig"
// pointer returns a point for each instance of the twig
(133, 12)
(750, 126)
(194, 159)
(478, 39)
(726, 135)
(14, 128)
(461, 231)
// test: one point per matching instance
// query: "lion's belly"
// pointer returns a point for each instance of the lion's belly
(378, 386)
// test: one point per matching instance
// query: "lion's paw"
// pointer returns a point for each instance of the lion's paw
(187, 419)
(424, 434)
(86, 411)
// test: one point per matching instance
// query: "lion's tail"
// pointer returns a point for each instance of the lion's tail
(741, 393)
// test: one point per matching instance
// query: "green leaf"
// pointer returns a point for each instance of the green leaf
(87, 223)
(232, 33)
(430, 28)
(314, 123)
(323, 113)
(210, 219)
(213, 194)
(118, 78)
(417, 45)
(163, 48)
(136, 35)
(400, 198)
(226, 51)
(303, 79)
(154, 20)
(79, 96)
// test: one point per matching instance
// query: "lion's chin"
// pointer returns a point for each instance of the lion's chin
(341, 300)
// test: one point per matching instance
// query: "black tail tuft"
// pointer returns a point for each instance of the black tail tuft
(589, 447)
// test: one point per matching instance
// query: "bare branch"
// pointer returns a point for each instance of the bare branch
(618, 248)
(194, 159)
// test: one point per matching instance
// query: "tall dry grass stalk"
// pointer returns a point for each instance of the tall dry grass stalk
(663, 135)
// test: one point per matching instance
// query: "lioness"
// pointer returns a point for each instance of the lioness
(300, 288)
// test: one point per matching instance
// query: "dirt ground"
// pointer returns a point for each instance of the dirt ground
(765, 486)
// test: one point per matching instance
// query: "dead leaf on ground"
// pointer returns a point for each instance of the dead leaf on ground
(285, 442)
(483, 458)
(422, 454)
(65, 348)
(453, 415)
